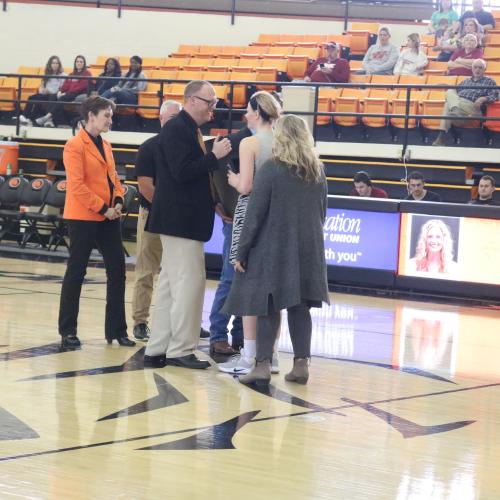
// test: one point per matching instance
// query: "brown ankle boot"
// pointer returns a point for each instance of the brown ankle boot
(300, 371)
(260, 375)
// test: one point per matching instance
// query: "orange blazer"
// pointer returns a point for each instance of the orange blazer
(87, 189)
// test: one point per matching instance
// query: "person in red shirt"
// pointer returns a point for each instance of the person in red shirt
(364, 189)
(330, 69)
(72, 88)
(461, 60)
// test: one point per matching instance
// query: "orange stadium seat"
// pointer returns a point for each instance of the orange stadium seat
(355, 65)
(149, 100)
(8, 92)
(189, 75)
(441, 80)
(429, 40)
(210, 50)
(491, 53)
(493, 40)
(201, 61)
(231, 50)
(28, 70)
(266, 74)
(280, 63)
(311, 52)
(290, 38)
(433, 104)
(223, 69)
(493, 111)
(152, 62)
(331, 93)
(325, 106)
(314, 38)
(493, 69)
(175, 92)
(282, 50)
(188, 50)
(255, 49)
(240, 92)
(377, 101)
(354, 78)
(297, 66)
(370, 27)
(268, 39)
(348, 102)
(436, 68)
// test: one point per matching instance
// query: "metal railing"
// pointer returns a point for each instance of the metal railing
(232, 112)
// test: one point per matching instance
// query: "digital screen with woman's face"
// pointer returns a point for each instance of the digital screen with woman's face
(456, 248)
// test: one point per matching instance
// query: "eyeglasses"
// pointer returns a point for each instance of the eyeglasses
(211, 102)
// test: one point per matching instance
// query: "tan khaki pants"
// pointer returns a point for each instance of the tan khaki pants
(179, 298)
(458, 106)
(147, 266)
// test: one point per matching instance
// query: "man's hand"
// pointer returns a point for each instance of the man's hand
(327, 71)
(219, 210)
(118, 210)
(307, 79)
(221, 147)
(479, 102)
(238, 266)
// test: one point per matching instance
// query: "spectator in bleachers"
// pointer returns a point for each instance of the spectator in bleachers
(446, 43)
(467, 102)
(412, 60)
(446, 12)
(417, 191)
(70, 90)
(380, 58)
(51, 84)
(471, 26)
(111, 69)
(485, 191)
(329, 69)
(485, 19)
(128, 88)
(363, 187)
(461, 60)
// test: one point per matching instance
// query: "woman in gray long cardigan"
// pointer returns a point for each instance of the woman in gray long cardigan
(281, 258)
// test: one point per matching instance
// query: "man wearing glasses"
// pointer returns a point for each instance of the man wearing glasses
(183, 214)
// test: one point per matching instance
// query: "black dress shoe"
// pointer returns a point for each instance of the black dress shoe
(70, 342)
(155, 361)
(204, 334)
(142, 332)
(189, 361)
(123, 341)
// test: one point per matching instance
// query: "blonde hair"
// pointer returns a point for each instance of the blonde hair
(294, 145)
(266, 105)
(446, 251)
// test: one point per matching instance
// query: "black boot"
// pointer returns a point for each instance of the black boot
(70, 343)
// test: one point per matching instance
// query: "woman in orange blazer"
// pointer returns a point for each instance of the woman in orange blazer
(94, 199)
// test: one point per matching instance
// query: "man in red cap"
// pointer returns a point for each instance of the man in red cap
(329, 69)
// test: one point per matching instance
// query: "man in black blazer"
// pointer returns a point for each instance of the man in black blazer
(183, 214)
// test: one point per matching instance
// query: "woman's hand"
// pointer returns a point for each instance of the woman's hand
(233, 179)
(239, 267)
(111, 214)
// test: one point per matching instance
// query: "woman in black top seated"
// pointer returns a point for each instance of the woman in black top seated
(111, 69)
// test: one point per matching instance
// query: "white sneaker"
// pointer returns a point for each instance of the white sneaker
(49, 123)
(40, 121)
(275, 368)
(238, 364)
(23, 120)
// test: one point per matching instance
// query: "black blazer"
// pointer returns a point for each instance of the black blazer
(182, 204)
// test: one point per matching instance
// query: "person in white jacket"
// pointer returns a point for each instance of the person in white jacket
(412, 60)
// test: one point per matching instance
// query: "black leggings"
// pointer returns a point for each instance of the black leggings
(299, 325)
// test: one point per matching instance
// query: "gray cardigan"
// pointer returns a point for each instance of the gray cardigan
(281, 244)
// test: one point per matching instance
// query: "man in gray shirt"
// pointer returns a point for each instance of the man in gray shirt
(380, 58)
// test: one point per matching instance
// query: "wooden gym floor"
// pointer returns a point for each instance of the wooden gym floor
(403, 403)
